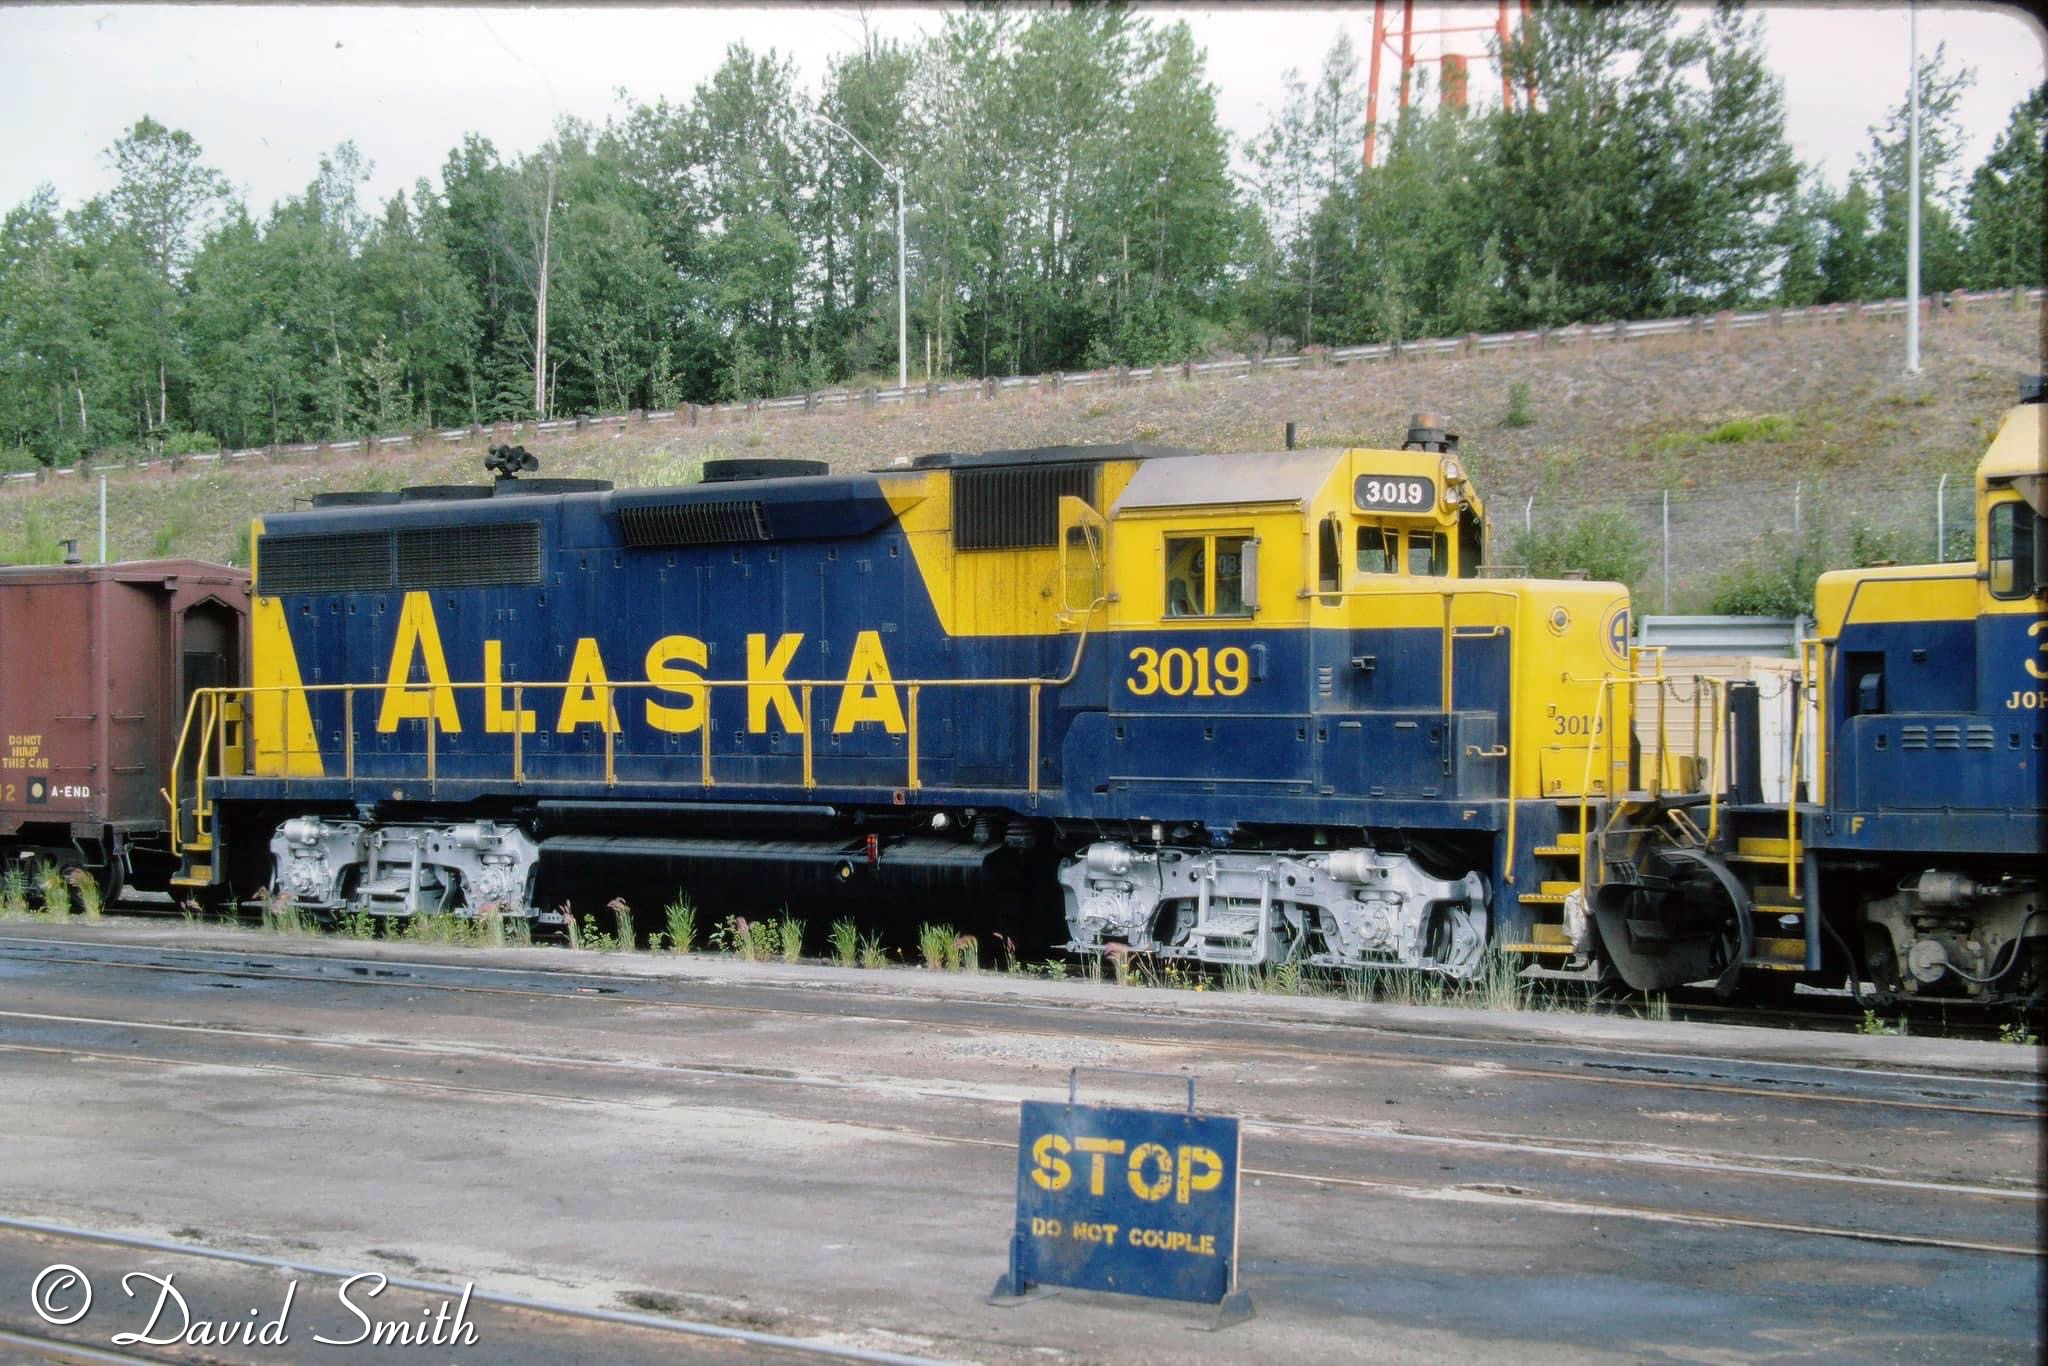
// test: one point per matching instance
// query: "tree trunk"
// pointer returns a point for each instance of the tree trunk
(79, 385)
(540, 299)
(163, 397)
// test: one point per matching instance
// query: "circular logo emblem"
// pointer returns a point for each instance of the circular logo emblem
(1617, 632)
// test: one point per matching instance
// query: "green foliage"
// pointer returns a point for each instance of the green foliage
(1521, 410)
(13, 892)
(1603, 542)
(937, 946)
(845, 942)
(681, 917)
(1772, 581)
(86, 888)
(1069, 201)
(1766, 428)
(53, 889)
(2006, 203)
(32, 542)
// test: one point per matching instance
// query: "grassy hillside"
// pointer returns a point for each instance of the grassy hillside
(1727, 426)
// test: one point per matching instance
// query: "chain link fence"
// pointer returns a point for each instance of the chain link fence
(1704, 550)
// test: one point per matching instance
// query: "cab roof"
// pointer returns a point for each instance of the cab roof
(2017, 449)
(1262, 477)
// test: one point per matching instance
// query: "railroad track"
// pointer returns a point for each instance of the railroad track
(1834, 1012)
(2021, 1097)
(1316, 1154)
(1660, 1163)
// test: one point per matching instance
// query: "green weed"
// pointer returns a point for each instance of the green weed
(281, 913)
(871, 954)
(1521, 412)
(791, 933)
(845, 942)
(86, 888)
(681, 915)
(967, 954)
(595, 939)
(1872, 1024)
(54, 890)
(13, 893)
(2017, 1032)
(936, 945)
(359, 925)
(622, 923)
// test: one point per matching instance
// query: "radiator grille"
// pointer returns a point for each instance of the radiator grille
(469, 556)
(1948, 737)
(1015, 507)
(1912, 737)
(1983, 737)
(417, 557)
(694, 523)
(331, 562)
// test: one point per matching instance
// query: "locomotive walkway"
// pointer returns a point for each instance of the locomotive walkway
(636, 1157)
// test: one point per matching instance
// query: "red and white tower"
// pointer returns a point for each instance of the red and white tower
(1452, 66)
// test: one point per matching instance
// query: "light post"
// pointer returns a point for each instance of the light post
(895, 177)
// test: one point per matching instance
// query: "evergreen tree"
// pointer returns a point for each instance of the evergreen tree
(2006, 207)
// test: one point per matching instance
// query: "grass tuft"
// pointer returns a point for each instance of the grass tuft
(845, 942)
(86, 889)
(13, 893)
(54, 891)
(681, 915)
(936, 945)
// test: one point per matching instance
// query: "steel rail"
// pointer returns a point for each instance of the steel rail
(274, 949)
(1668, 1083)
(1618, 1154)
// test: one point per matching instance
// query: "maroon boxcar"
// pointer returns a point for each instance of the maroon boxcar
(96, 665)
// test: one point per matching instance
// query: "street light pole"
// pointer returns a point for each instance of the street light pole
(1913, 191)
(902, 298)
(902, 258)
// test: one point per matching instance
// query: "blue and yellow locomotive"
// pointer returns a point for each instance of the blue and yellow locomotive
(1238, 708)
(1907, 857)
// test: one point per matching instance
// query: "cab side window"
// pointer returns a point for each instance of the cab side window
(1379, 550)
(1205, 576)
(1187, 586)
(2013, 571)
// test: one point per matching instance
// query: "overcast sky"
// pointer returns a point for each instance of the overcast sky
(266, 90)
